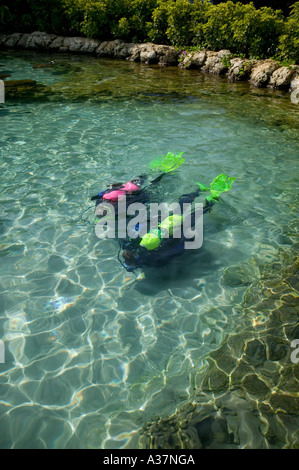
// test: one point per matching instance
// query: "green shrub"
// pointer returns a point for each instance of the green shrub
(241, 28)
(123, 29)
(140, 16)
(157, 27)
(31, 15)
(101, 18)
(96, 22)
(48, 15)
(283, 5)
(256, 32)
(179, 31)
(75, 14)
(200, 16)
(231, 25)
(114, 18)
(218, 29)
(289, 41)
(4, 14)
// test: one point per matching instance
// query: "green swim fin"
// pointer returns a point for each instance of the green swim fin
(167, 163)
(219, 185)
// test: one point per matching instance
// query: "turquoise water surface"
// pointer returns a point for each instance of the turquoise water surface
(92, 351)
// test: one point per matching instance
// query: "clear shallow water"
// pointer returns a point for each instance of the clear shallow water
(92, 353)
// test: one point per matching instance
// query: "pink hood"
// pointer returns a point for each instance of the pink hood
(114, 195)
(130, 187)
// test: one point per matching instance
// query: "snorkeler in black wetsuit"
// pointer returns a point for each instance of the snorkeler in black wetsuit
(154, 249)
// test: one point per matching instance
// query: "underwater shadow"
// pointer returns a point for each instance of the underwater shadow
(182, 271)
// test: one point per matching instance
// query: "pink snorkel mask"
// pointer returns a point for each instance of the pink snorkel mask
(114, 195)
(130, 187)
(120, 193)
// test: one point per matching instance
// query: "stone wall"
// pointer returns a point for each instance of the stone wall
(261, 73)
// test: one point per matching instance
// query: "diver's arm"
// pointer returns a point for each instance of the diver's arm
(188, 198)
(158, 179)
(208, 204)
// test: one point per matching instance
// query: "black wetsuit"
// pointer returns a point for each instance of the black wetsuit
(169, 247)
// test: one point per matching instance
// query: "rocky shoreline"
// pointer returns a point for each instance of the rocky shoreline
(260, 73)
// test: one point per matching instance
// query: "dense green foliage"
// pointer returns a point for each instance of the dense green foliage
(289, 41)
(238, 26)
(283, 5)
(113, 18)
(31, 15)
(244, 29)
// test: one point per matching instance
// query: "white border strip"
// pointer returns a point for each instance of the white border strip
(2, 352)
(2, 92)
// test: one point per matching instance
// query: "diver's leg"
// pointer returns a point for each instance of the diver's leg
(188, 198)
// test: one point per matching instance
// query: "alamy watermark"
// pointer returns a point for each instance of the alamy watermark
(2, 92)
(2, 352)
(295, 353)
(183, 221)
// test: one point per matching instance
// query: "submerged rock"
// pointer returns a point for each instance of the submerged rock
(294, 88)
(11, 40)
(23, 41)
(282, 77)
(39, 40)
(262, 72)
(218, 381)
(15, 89)
(240, 69)
(3, 38)
(90, 45)
(167, 55)
(217, 63)
(107, 48)
(57, 43)
(255, 386)
(255, 352)
(247, 401)
(241, 275)
(285, 403)
(148, 55)
(193, 60)
(123, 50)
(10, 84)
(44, 66)
(79, 44)
(294, 82)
